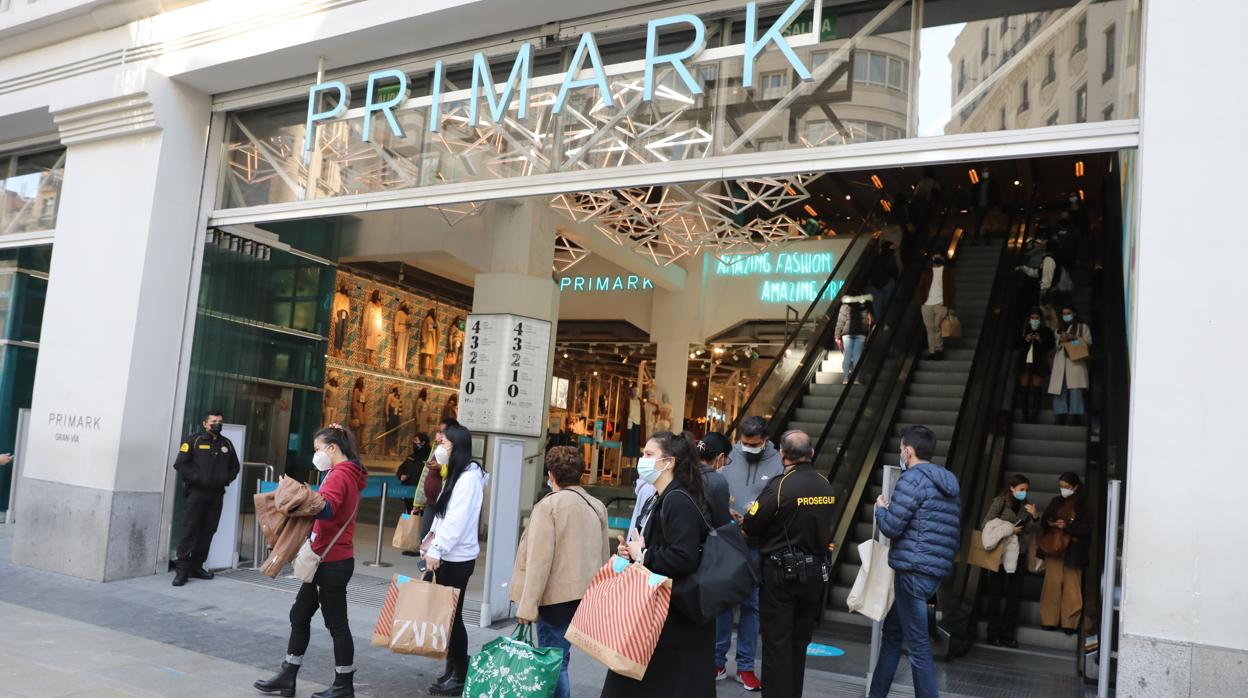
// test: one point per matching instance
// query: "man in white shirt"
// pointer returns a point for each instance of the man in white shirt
(936, 293)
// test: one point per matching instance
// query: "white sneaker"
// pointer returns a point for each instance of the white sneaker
(721, 673)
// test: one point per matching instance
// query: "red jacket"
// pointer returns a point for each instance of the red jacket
(341, 490)
(433, 482)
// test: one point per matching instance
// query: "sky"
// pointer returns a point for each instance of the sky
(936, 78)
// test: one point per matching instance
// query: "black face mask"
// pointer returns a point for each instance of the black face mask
(753, 457)
(215, 428)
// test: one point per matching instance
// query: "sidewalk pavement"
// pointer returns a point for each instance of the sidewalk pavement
(62, 636)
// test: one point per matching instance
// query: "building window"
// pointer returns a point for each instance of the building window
(770, 143)
(1052, 120)
(872, 68)
(817, 59)
(1110, 50)
(1002, 126)
(773, 84)
(1050, 68)
(1107, 114)
(818, 131)
(983, 51)
(1081, 35)
(877, 72)
(1081, 104)
(961, 75)
(1024, 97)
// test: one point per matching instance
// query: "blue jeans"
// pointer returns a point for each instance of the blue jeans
(907, 619)
(747, 634)
(854, 344)
(1069, 401)
(550, 633)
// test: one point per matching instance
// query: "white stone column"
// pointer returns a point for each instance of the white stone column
(677, 323)
(517, 282)
(104, 398)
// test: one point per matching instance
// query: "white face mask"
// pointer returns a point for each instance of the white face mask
(441, 455)
(321, 461)
(1067, 492)
(752, 450)
(648, 469)
(902, 459)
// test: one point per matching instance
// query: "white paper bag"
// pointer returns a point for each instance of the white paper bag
(872, 594)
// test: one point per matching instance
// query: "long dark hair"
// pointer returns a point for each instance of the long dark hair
(1015, 480)
(461, 457)
(340, 437)
(686, 468)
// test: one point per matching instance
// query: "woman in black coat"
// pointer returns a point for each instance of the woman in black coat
(1035, 348)
(672, 533)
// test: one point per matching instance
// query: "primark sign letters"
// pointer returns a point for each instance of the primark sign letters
(389, 90)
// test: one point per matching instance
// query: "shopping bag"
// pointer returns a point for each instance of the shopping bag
(872, 593)
(423, 615)
(621, 616)
(978, 556)
(951, 327)
(1035, 560)
(725, 577)
(407, 532)
(1076, 349)
(381, 632)
(512, 667)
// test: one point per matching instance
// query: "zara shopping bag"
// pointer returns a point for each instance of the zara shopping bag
(872, 593)
(407, 532)
(423, 615)
(512, 667)
(381, 633)
(621, 616)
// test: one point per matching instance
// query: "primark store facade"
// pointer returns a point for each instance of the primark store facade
(188, 184)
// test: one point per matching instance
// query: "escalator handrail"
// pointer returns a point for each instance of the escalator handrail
(749, 406)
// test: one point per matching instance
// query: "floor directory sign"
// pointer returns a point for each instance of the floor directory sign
(502, 388)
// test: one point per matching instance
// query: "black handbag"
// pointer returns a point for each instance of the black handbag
(725, 577)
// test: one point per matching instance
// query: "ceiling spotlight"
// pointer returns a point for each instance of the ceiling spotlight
(719, 350)
(625, 359)
(694, 384)
(565, 354)
(848, 197)
(693, 355)
(1017, 183)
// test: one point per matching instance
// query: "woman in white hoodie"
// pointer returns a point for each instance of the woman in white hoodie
(853, 324)
(452, 545)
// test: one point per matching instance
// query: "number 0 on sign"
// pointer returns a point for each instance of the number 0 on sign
(502, 387)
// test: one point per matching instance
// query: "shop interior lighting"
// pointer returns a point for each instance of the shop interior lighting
(1081, 195)
(888, 208)
(1018, 183)
(973, 175)
(1079, 168)
(809, 209)
(875, 179)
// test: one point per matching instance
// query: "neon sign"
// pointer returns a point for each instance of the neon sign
(590, 284)
(778, 273)
(389, 90)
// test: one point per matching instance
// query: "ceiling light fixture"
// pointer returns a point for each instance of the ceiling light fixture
(875, 179)
(973, 175)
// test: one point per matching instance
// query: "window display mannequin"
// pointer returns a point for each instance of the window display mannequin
(451, 409)
(340, 314)
(634, 436)
(394, 417)
(454, 347)
(428, 342)
(372, 326)
(359, 407)
(330, 399)
(402, 332)
(663, 420)
(650, 413)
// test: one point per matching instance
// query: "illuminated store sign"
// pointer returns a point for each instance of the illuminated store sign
(619, 282)
(778, 271)
(388, 90)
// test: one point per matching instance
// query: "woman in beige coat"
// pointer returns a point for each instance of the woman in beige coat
(563, 547)
(1068, 378)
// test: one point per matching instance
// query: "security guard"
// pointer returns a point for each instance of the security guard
(793, 517)
(207, 463)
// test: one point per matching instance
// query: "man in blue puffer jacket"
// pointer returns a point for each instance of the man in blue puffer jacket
(922, 521)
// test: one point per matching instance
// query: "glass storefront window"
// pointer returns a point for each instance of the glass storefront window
(982, 67)
(31, 187)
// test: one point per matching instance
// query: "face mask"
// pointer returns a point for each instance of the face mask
(1035, 324)
(648, 470)
(215, 428)
(1020, 496)
(321, 461)
(902, 459)
(754, 450)
(1067, 492)
(1068, 318)
(551, 484)
(440, 455)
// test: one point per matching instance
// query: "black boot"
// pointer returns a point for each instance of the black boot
(344, 687)
(179, 579)
(283, 682)
(446, 675)
(453, 684)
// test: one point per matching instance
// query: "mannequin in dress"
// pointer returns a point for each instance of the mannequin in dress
(454, 347)
(359, 408)
(372, 326)
(341, 315)
(394, 417)
(330, 398)
(428, 341)
(451, 409)
(420, 409)
(402, 333)
(663, 421)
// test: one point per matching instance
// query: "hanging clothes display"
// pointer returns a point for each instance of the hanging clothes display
(341, 314)
(402, 332)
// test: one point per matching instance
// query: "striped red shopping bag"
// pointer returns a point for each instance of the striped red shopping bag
(620, 619)
(381, 633)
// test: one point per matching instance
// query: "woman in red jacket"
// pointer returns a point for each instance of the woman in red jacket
(332, 539)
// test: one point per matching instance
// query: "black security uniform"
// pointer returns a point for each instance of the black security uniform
(793, 518)
(207, 463)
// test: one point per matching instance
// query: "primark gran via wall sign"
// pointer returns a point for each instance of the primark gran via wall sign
(388, 90)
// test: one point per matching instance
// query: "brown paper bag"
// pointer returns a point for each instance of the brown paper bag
(381, 633)
(407, 532)
(1076, 350)
(988, 559)
(951, 327)
(423, 616)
